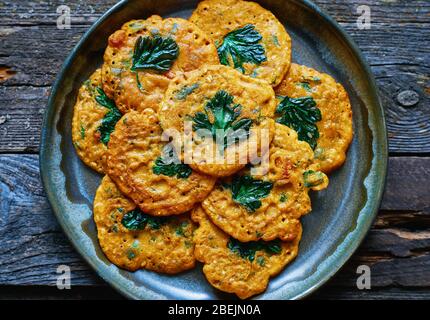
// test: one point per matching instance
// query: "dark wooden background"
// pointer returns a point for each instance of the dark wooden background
(32, 244)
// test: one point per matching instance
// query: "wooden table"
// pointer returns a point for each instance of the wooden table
(32, 244)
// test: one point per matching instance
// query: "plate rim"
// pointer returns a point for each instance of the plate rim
(378, 166)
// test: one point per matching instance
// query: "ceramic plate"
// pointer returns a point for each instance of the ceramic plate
(341, 215)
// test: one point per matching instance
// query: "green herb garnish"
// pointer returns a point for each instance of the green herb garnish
(82, 132)
(110, 119)
(225, 119)
(169, 165)
(247, 192)
(137, 220)
(185, 91)
(305, 85)
(247, 250)
(180, 230)
(283, 197)
(300, 114)
(130, 254)
(261, 261)
(240, 46)
(156, 53)
(139, 84)
(313, 178)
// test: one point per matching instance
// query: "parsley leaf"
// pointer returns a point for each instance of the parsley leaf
(300, 114)
(246, 191)
(247, 250)
(110, 119)
(155, 53)
(170, 166)
(242, 45)
(137, 220)
(225, 119)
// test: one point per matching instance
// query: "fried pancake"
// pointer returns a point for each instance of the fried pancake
(210, 98)
(245, 32)
(135, 162)
(236, 267)
(162, 244)
(88, 115)
(142, 88)
(335, 128)
(268, 205)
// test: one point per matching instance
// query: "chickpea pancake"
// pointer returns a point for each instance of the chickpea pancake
(237, 267)
(232, 111)
(306, 88)
(144, 55)
(268, 205)
(94, 117)
(248, 37)
(145, 170)
(134, 240)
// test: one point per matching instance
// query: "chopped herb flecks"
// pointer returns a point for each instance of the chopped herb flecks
(185, 91)
(306, 86)
(82, 132)
(313, 178)
(283, 197)
(275, 40)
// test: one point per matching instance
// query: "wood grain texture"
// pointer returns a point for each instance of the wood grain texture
(397, 47)
(33, 245)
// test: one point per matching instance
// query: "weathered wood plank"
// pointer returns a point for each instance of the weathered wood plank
(329, 292)
(397, 251)
(408, 185)
(33, 244)
(21, 113)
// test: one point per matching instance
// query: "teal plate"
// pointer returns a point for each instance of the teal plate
(341, 215)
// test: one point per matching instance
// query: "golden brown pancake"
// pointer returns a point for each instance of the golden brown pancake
(237, 267)
(133, 240)
(88, 115)
(335, 127)
(233, 24)
(218, 92)
(268, 205)
(184, 48)
(137, 163)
